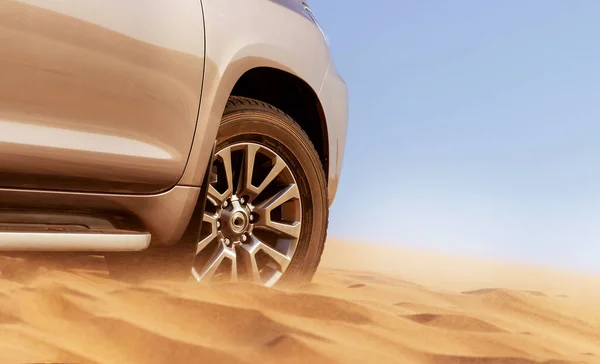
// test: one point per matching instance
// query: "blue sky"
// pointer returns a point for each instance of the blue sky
(474, 126)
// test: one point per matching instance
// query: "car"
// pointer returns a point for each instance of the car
(199, 139)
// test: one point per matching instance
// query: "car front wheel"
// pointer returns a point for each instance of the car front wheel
(266, 213)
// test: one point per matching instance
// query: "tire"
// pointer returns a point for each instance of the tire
(250, 121)
(247, 119)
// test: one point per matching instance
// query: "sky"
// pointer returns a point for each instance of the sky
(474, 127)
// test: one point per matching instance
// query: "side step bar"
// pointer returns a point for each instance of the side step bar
(32, 239)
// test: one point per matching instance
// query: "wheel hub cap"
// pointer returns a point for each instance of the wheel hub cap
(235, 221)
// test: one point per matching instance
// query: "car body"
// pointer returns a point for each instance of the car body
(109, 109)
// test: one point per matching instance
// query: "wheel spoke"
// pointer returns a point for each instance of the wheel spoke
(225, 155)
(283, 196)
(249, 159)
(281, 259)
(234, 272)
(288, 230)
(215, 197)
(215, 262)
(212, 220)
(248, 257)
(278, 167)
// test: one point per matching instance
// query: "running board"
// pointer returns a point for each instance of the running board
(28, 239)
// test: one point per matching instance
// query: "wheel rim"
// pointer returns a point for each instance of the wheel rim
(253, 218)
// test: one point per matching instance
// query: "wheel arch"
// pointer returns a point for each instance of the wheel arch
(236, 80)
(292, 95)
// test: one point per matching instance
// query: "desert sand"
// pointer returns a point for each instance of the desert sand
(367, 304)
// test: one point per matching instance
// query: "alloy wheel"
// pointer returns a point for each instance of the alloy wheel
(253, 217)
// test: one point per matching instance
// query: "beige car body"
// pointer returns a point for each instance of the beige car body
(109, 109)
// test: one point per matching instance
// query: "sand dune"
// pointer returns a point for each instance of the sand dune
(383, 307)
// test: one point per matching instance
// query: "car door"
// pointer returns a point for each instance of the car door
(98, 95)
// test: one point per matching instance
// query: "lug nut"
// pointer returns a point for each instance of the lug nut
(251, 217)
(244, 237)
(242, 200)
(227, 241)
(218, 224)
(225, 204)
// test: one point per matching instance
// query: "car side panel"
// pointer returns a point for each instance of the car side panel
(334, 99)
(241, 36)
(98, 95)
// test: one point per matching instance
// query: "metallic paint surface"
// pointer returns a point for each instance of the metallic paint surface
(100, 95)
(334, 99)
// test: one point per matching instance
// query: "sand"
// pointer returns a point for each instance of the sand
(366, 304)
